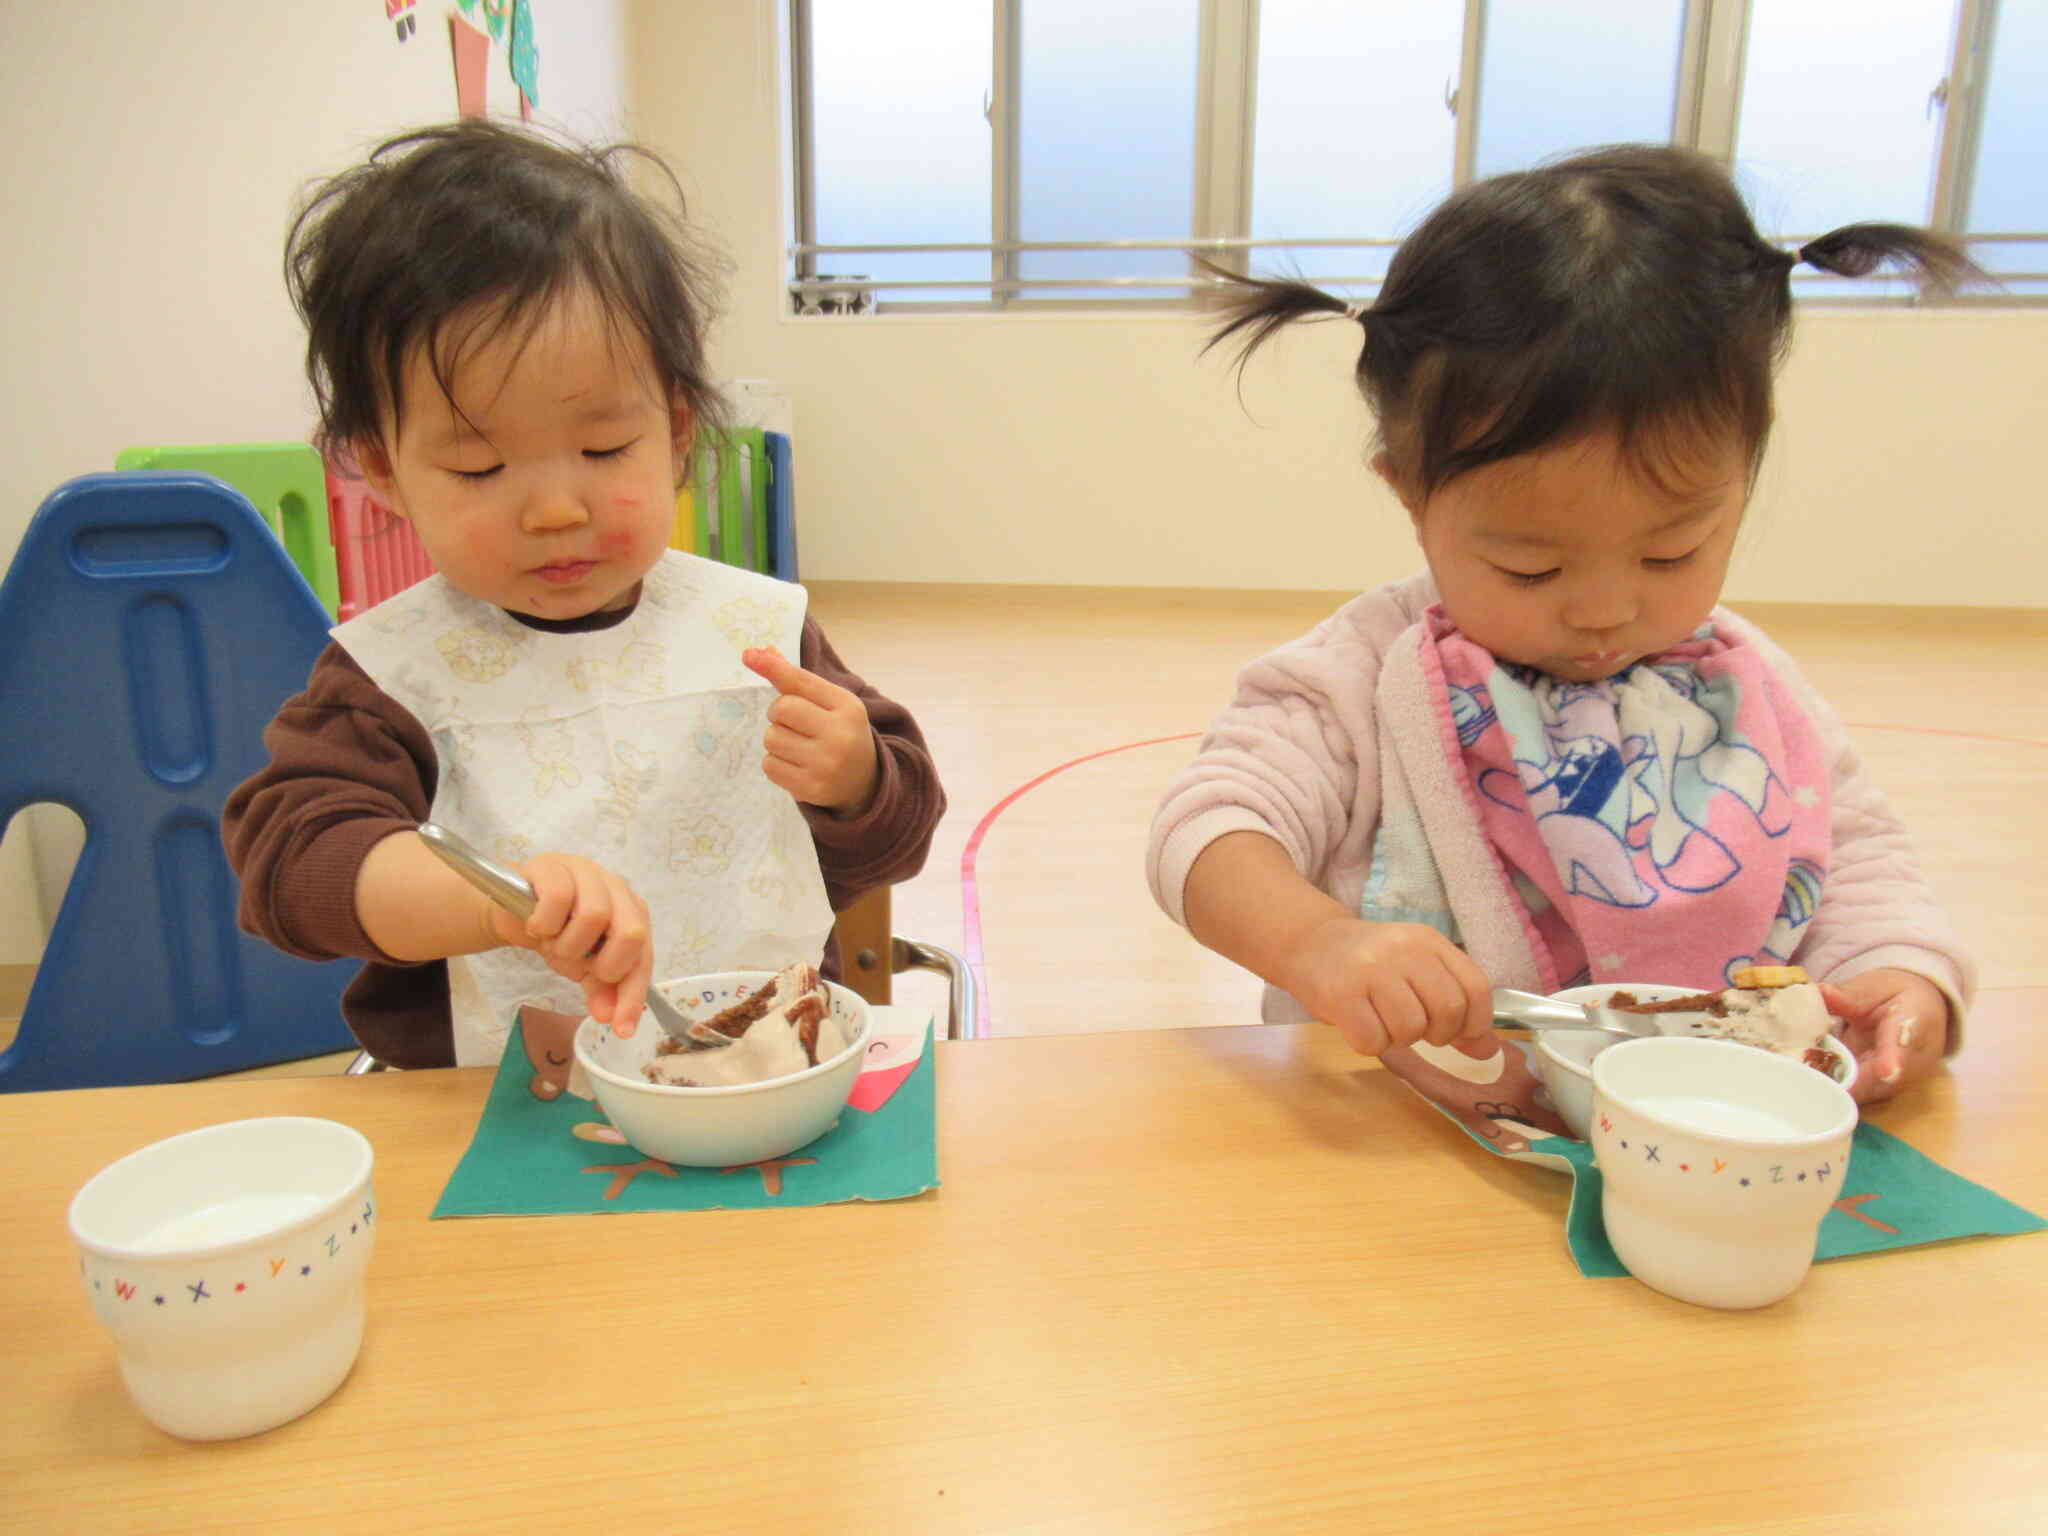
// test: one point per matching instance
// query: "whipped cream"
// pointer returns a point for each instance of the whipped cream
(1789, 1020)
(769, 1048)
(785, 1027)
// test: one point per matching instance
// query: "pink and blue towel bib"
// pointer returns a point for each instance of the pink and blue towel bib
(1666, 824)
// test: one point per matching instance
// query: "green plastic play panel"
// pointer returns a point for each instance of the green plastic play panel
(288, 484)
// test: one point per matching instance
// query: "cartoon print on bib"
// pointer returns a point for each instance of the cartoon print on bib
(629, 785)
(477, 655)
(748, 622)
(1674, 817)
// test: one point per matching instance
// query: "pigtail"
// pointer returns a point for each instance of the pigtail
(1253, 308)
(1857, 250)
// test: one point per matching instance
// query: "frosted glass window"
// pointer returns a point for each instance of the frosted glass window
(1106, 135)
(900, 146)
(1835, 110)
(1352, 136)
(2010, 194)
(1561, 75)
(1835, 126)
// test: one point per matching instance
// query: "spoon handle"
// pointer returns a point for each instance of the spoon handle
(508, 888)
(1528, 1010)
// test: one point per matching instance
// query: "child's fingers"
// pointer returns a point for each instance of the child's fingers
(786, 775)
(786, 677)
(1897, 1037)
(1476, 1036)
(1443, 998)
(788, 746)
(554, 899)
(799, 717)
(624, 943)
(630, 997)
(587, 922)
(1402, 1014)
(1362, 1029)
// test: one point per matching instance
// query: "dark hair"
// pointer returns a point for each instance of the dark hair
(1623, 288)
(441, 220)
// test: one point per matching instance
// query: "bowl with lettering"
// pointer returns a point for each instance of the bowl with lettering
(229, 1263)
(1563, 1058)
(721, 1125)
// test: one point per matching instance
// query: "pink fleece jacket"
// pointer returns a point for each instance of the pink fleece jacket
(1298, 756)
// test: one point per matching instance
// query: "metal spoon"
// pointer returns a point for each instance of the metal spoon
(1528, 1010)
(511, 890)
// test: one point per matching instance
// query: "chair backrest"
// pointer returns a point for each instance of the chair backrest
(286, 481)
(150, 625)
(740, 507)
(376, 553)
(732, 499)
(781, 506)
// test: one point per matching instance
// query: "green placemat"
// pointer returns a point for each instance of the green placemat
(1892, 1197)
(532, 1157)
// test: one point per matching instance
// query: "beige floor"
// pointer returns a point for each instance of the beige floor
(1014, 683)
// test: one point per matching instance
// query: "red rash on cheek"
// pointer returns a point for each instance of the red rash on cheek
(614, 545)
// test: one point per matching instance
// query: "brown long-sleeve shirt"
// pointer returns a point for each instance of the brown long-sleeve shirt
(349, 766)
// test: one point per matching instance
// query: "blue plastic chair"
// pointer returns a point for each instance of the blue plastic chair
(781, 506)
(149, 628)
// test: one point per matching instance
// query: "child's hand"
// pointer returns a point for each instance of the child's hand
(819, 743)
(589, 926)
(1385, 985)
(1896, 1023)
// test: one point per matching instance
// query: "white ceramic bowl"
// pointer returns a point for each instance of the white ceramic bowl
(228, 1264)
(719, 1127)
(1563, 1058)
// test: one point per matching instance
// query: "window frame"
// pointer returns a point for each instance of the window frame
(1706, 112)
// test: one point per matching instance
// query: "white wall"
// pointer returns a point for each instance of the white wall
(155, 151)
(1099, 450)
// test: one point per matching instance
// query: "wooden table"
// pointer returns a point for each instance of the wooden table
(1225, 1279)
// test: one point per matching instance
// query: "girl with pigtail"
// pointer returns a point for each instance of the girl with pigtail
(1552, 759)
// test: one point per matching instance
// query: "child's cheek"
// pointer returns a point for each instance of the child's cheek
(619, 543)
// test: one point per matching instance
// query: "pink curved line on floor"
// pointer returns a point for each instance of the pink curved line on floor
(970, 890)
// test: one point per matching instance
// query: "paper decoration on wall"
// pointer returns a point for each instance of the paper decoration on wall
(472, 53)
(495, 12)
(509, 22)
(525, 57)
(401, 15)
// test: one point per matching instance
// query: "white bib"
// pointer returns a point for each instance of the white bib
(637, 746)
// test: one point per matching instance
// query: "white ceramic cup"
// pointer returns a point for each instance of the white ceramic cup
(228, 1264)
(1718, 1162)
